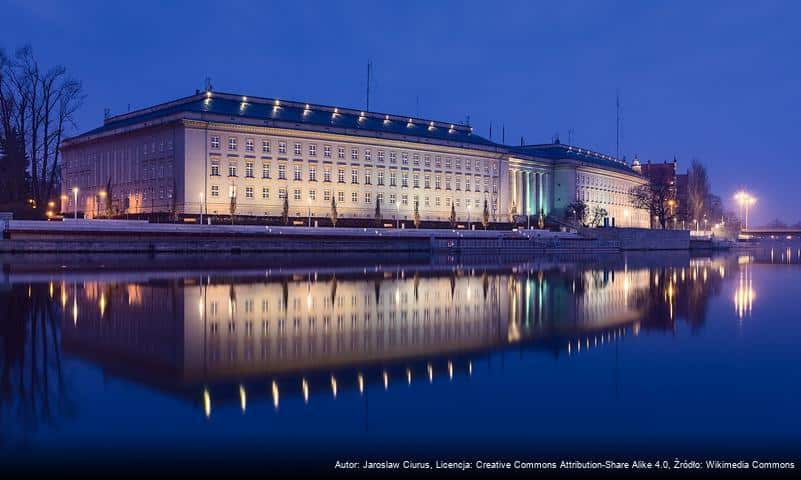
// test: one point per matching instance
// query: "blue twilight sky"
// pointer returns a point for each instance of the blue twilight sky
(717, 81)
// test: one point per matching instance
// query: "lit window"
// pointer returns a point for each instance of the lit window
(381, 177)
(368, 180)
(265, 146)
(354, 154)
(404, 179)
(281, 171)
(327, 151)
(327, 174)
(416, 159)
(312, 150)
(298, 172)
(427, 181)
(215, 169)
(327, 195)
(341, 175)
(340, 152)
(265, 170)
(391, 179)
(340, 197)
(215, 142)
(232, 143)
(231, 169)
(367, 155)
(281, 147)
(404, 158)
(312, 195)
(312, 174)
(380, 155)
(354, 175)
(248, 192)
(416, 180)
(297, 149)
(393, 157)
(354, 197)
(249, 169)
(368, 197)
(249, 145)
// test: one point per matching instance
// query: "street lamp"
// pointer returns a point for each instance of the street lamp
(310, 212)
(745, 200)
(75, 195)
(468, 216)
(397, 217)
(201, 208)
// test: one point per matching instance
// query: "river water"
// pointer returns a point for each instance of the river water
(283, 360)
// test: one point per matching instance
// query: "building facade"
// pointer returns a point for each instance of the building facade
(217, 153)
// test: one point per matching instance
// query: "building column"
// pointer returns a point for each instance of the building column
(537, 192)
(544, 193)
(526, 193)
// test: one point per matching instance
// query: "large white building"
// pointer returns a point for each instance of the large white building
(197, 153)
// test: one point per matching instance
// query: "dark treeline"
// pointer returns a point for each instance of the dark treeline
(37, 108)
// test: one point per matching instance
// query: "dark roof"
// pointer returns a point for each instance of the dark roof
(279, 113)
(557, 151)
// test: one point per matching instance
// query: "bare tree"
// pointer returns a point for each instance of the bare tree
(334, 216)
(656, 197)
(698, 191)
(38, 105)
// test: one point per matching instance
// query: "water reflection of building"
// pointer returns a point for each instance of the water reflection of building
(205, 330)
(276, 333)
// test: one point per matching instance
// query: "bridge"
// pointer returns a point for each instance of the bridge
(788, 233)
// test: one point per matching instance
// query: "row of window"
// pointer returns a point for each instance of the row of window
(366, 154)
(381, 177)
(354, 197)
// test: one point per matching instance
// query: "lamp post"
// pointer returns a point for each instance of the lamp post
(309, 212)
(75, 206)
(101, 195)
(397, 217)
(748, 203)
(468, 216)
(201, 208)
(671, 204)
(745, 200)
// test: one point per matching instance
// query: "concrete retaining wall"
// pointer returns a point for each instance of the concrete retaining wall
(642, 238)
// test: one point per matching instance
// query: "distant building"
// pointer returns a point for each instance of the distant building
(197, 153)
(663, 174)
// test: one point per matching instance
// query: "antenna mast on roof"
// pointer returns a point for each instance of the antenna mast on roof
(617, 128)
(207, 84)
(369, 72)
